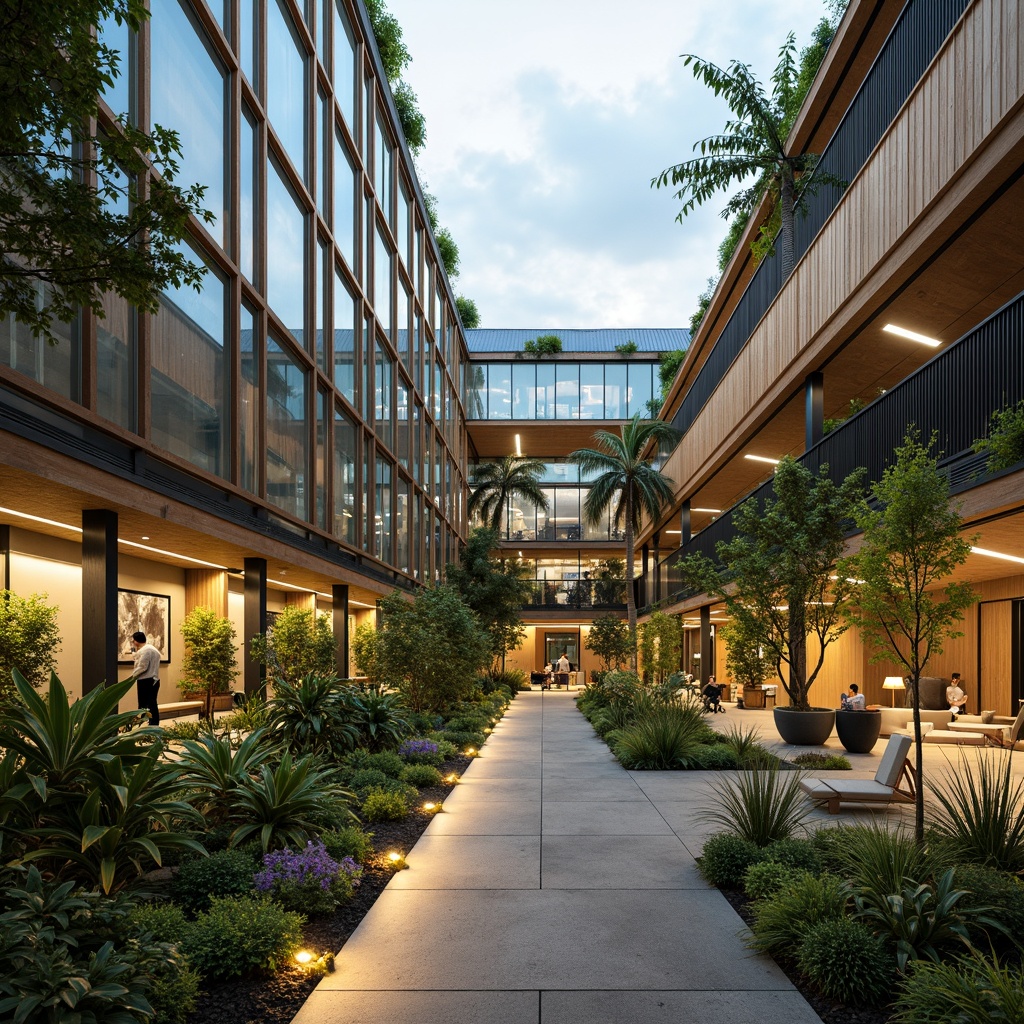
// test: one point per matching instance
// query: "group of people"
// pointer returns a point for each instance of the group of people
(853, 699)
(557, 672)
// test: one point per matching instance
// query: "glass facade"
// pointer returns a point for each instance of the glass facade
(561, 390)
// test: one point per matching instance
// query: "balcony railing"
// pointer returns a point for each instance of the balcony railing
(910, 48)
(577, 595)
(953, 396)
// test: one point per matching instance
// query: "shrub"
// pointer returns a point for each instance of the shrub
(253, 714)
(241, 934)
(765, 878)
(462, 740)
(794, 853)
(310, 879)
(446, 750)
(716, 758)
(366, 779)
(29, 640)
(381, 718)
(165, 921)
(744, 743)
(781, 921)
(387, 762)
(762, 806)
(1005, 441)
(381, 805)
(967, 990)
(225, 873)
(543, 345)
(845, 962)
(832, 844)
(420, 751)
(725, 858)
(667, 737)
(825, 762)
(313, 715)
(421, 775)
(348, 842)
(995, 892)
(881, 863)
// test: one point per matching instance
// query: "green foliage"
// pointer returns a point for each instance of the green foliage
(823, 762)
(609, 639)
(765, 878)
(995, 893)
(208, 666)
(881, 861)
(980, 817)
(383, 805)
(703, 303)
(388, 762)
(627, 348)
(29, 638)
(725, 858)
(79, 796)
(745, 745)
(717, 758)
(832, 844)
(828, 425)
(1005, 441)
(744, 659)
(781, 921)
(609, 578)
(224, 873)
(78, 196)
(468, 312)
(660, 643)
(495, 484)
(782, 564)
(668, 367)
(663, 738)
(410, 117)
(298, 644)
(242, 934)
(314, 715)
(965, 990)
(165, 921)
(381, 718)
(253, 714)
(348, 842)
(365, 779)
(911, 542)
(448, 250)
(394, 54)
(422, 776)
(429, 648)
(845, 962)
(761, 806)
(544, 345)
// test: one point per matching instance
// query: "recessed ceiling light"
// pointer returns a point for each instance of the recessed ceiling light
(912, 335)
(762, 458)
(997, 554)
(145, 538)
(519, 450)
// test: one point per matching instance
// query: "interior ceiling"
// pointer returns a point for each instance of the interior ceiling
(537, 438)
(26, 494)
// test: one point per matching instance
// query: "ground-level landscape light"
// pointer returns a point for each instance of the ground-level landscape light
(431, 808)
(471, 751)
(396, 860)
(452, 779)
(304, 957)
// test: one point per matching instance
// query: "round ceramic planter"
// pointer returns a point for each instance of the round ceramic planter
(805, 728)
(858, 730)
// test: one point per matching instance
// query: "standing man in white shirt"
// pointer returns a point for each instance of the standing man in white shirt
(146, 675)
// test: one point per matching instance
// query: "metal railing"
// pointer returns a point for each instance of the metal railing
(578, 595)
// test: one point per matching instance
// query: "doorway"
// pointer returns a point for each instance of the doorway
(557, 643)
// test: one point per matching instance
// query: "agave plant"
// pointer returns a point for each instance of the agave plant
(381, 718)
(313, 715)
(761, 806)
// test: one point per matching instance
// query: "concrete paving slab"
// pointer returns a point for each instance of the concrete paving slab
(602, 788)
(622, 818)
(605, 1007)
(509, 818)
(616, 862)
(325, 1007)
(552, 939)
(471, 862)
(473, 789)
(495, 768)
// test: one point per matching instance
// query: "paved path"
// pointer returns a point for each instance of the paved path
(556, 888)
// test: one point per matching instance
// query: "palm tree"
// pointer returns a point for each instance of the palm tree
(494, 483)
(753, 143)
(629, 483)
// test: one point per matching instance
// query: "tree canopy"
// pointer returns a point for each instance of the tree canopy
(496, 483)
(86, 206)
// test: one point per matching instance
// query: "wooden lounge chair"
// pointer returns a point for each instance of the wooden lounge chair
(1012, 737)
(894, 782)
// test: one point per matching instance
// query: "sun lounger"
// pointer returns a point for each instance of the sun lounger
(1012, 737)
(894, 781)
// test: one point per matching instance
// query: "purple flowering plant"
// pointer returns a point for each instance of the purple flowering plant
(419, 751)
(309, 880)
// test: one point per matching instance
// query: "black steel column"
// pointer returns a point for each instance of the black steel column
(99, 598)
(254, 621)
(657, 568)
(645, 566)
(339, 611)
(5, 551)
(706, 668)
(685, 529)
(814, 409)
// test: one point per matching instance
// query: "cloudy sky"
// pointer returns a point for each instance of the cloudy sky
(547, 119)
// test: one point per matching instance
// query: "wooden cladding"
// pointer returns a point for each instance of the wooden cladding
(206, 588)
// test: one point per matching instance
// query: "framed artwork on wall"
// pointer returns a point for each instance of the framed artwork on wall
(150, 613)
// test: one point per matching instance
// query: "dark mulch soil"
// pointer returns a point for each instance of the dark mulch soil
(276, 998)
(828, 1011)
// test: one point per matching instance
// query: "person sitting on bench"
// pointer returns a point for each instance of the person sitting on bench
(712, 696)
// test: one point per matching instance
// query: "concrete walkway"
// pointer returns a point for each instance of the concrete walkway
(556, 888)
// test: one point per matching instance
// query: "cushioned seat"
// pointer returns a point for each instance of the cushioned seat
(884, 788)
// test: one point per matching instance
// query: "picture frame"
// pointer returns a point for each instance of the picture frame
(137, 611)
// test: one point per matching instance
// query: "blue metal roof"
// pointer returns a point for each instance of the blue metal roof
(603, 339)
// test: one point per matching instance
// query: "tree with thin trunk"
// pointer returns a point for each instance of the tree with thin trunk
(912, 541)
(495, 483)
(753, 144)
(628, 483)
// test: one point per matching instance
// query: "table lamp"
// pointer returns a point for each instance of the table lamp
(894, 683)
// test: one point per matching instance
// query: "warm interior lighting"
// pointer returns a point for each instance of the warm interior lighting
(40, 519)
(170, 554)
(671, 531)
(894, 683)
(303, 956)
(519, 449)
(761, 458)
(713, 511)
(902, 332)
(997, 554)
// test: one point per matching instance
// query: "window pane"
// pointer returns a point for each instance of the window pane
(524, 391)
(402, 225)
(324, 356)
(640, 388)
(403, 524)
(591, 391)
(344, 65)
(382, 511)
(249, 404)
(499, 392)
(382, 281)
(567, 391)
(286, 84)
(615, 391)
(116, 362)
(248, 17)
(286, 241)
(196, 113)
(190, 374)
(346, 323)
(476, 399)
(287, 431)
(545, 391)
(346, 457)
(382, 395)
(344, 202)
(118, 95)
(402, 420)
(323, 132)
(321, 459)
(247, 211)
(382, 168)
(402, 323)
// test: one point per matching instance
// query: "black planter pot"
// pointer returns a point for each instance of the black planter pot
(805, 728)
(858, 730)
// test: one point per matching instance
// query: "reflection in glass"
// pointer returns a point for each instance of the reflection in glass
(116, 362)
(402, 420)
(189, 374)
(382, 167)
(344, 66)
(382, 281)
(591, 391)
(248, 204)
(499, 392)
(615, 391)
(57, 367)
(287, 431)
(382, 395)
(286, 81)
(344, 202)
(324, 356)
(249, 405)
(248, 34)
(524, 391)
(545, 391)
(346, 324)
(179, 54)
(323, 132)
(286, 239)
(382, 510)
(403, 524)
(402, 323)
(567, 391)
(118, 95)
(321, 459)
(346, 456)
(402, 224)
(641, 388)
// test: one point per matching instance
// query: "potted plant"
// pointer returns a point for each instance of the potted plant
(208, 666)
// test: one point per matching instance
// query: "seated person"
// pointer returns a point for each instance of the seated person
(955, 696)
(713, 694)
(853, 699)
